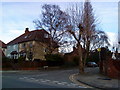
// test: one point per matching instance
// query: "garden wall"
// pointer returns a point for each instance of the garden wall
(111, 68)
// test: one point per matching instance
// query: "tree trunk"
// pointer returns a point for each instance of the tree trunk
(81, 65)
(85, 57)
(86, 54)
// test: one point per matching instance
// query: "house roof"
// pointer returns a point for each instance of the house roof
(75, 51)
(2, 44)
(37, 35)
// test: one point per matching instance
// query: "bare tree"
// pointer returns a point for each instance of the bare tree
(54, 21)
(99, 39)
(92, 37)
(83, 27)
(75, 29)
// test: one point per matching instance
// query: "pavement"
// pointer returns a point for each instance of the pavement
(93, 79)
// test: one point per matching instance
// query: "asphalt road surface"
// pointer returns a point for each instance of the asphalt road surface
(39, 79)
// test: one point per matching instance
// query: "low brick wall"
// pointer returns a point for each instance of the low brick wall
(111, 68)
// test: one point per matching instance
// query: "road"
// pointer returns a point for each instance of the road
(39, 79)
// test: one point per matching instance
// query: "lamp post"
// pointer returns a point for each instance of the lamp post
(100, 64)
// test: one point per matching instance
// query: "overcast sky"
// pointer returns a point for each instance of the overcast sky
(16, 16)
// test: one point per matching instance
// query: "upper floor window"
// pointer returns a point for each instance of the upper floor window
(25, 36)
(14, 46)
(23, 45)
(9, 46)
(31, 45)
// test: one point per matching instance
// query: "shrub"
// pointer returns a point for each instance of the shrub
(54, 57)
(76, 60)
(95, 57)
(21, 59)
(72, 63)
(6, 59)
(6, 62)
(69, 64)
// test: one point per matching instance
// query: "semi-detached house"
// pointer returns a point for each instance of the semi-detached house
(33, 45)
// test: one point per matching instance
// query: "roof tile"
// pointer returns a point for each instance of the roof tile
(37, 35)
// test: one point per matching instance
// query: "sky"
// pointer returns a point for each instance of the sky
(16, 15)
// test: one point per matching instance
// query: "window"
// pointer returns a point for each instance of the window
(15, 56)
(45, 50)
(22, 54)
(30, 45)
(8, 55)
(23, 45)
(14, 46)
(25, 36)
(9, 46)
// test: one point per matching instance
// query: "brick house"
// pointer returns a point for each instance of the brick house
(69, 57)
(33, 45)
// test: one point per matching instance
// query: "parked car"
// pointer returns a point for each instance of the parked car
(91, 64)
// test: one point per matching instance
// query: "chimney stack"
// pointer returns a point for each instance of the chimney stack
(27, 30)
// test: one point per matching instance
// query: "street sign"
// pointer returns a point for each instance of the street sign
(99, 49)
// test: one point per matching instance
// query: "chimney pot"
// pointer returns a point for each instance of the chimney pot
(27, 30)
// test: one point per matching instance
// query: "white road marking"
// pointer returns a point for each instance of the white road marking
(25, 77)
(55, 81)
(68, 85)
(42, 81)
(64, 83)
(49, 81)
(81, 87)
(61, 83)
(32, 78)
(74, 84)
(36, 80)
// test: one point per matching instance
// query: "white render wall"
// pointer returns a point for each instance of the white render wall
(11, 48)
